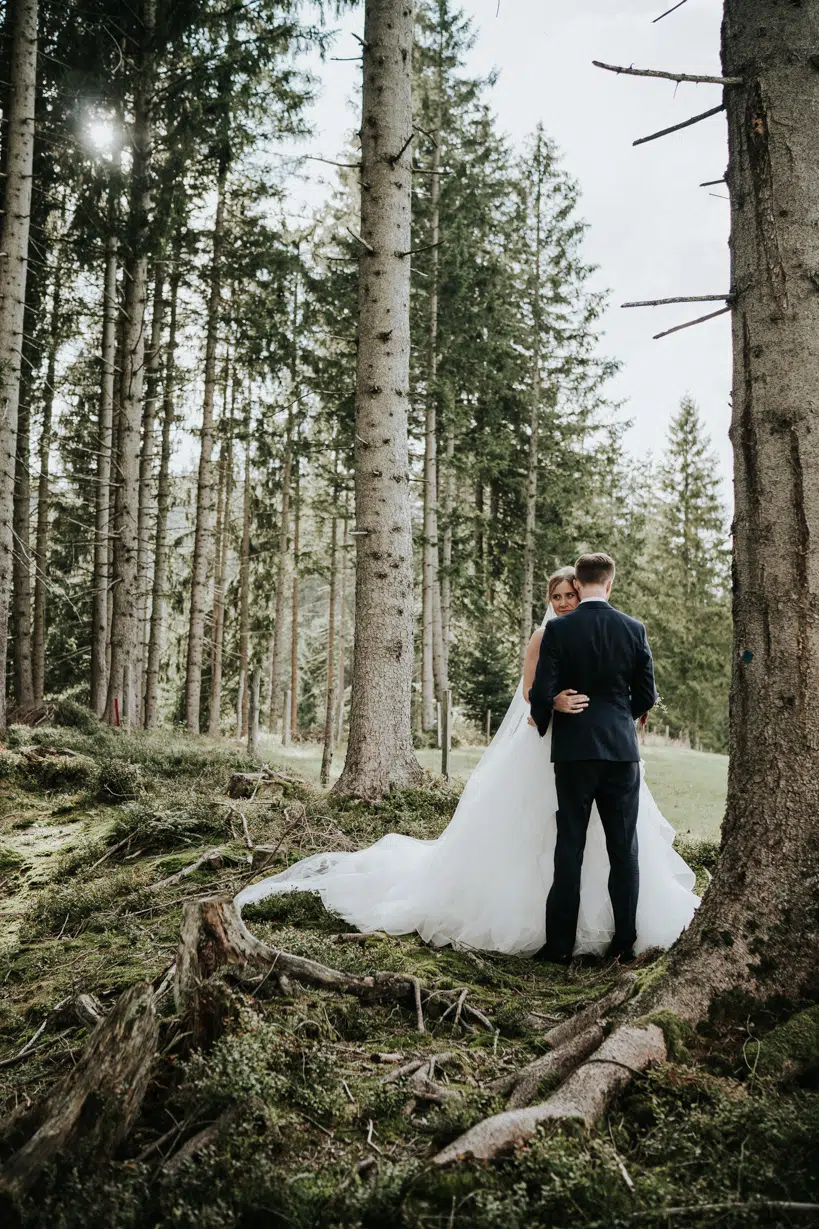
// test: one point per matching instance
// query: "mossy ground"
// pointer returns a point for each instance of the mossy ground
(716, 1124)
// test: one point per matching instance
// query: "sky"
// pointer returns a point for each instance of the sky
(653, 232)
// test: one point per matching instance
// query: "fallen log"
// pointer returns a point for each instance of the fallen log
(98, 1101)
(582, 1099)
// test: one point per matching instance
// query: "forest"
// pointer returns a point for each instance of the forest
(279, 478)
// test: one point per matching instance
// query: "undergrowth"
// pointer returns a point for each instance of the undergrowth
(310, 1133)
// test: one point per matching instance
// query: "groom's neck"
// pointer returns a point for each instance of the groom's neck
(595, 593)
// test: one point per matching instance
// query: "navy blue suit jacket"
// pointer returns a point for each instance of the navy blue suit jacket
(603, 654)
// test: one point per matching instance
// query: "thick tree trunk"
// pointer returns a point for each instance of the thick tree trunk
(342, 633)
(446, 554)
(758, 926)
(102, 523)
(121, 704)
(153, 361)
(294, 609)
(244, 585)
(222, 543)
(43, 494)
(203, 536)
(163, 503)
(277, 639)
(13, 272)
(527, 596)
(379, 751)
(330, 711)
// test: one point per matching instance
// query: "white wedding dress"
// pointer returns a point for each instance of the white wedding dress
(483, 883)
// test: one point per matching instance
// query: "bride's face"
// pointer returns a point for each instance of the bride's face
(564, 598)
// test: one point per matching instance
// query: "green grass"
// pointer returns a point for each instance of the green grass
(689, 786)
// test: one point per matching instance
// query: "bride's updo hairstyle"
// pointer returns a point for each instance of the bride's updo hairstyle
(557, 578)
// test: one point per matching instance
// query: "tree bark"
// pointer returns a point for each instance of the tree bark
(13, 274)
(43, 493)
(379, 750)
(527, 596)
(163, 501)
(446, 554)
(330, 712)
(121, 704)
(203, 536)
(222, 543)
(277, 638)
(244, 584)
(294, 609)
(102, 522)
(153, 363)
(21, 571)
(342, 632)
(758, 926)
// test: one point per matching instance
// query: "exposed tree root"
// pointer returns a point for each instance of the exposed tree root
(619, 994)
(550, 1069)
(253, 1111)
(213, 936)
(581, 1099)
(97, 1101)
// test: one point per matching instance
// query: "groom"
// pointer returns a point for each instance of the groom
(604, 656)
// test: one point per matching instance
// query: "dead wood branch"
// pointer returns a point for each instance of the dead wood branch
(126, 841)
(693, 298)
(368, 247)
(769, 1207)
(212, 858)
(668, 12)
(359, 936)
(695, 119)
(582, 1099)
(692, 78)
(109, 1080)
(252, 1110)
(690, 323)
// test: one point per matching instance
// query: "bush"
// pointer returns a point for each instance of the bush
(9, 763)
(158, 832)
(68, 712)
(63, 772)
(119, 780)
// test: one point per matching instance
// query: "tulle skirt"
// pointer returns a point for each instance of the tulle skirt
(483, 883)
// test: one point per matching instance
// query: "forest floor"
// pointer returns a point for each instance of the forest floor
(325, 1134)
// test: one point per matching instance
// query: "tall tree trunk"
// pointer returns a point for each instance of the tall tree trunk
(203, 536)
(294, 609)
(13, 273)
(44, 492)
(21, 579)
(330, 709)
(153, 361)
(432, 680)
(163, 500)
(102, 520)
(244, 583)
(446, 555)
(758, 926)
(527, 596)
(277, 638)
(342, 631)
(121, 704)
(379, 751)
(222, 544)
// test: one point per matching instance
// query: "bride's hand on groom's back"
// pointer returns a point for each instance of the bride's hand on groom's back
(570, 701)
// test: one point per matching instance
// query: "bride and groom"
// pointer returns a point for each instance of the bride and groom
(557, 847)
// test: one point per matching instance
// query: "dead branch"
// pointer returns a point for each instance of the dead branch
(668, 12)
(694, 298)
(359, 936)
(224, 1125)
(212, 858)
(126, 841)
(582, 1099)
(769, 1206)
(368, 247)
(394, 159)
(692, 78)
(690, 323)
(110, 1080)
(550, 1069)
(712, 183)
(695, 119)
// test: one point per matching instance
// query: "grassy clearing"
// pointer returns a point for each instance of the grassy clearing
(689, 785)
(310, 1134)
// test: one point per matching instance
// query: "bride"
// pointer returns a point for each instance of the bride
(483, 883)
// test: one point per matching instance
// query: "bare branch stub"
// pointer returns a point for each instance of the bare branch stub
(690, 323)
(695, 119)
(668, 12)
(694, 298)
(680, 78)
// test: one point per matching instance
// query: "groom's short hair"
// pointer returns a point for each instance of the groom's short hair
(595, 569)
